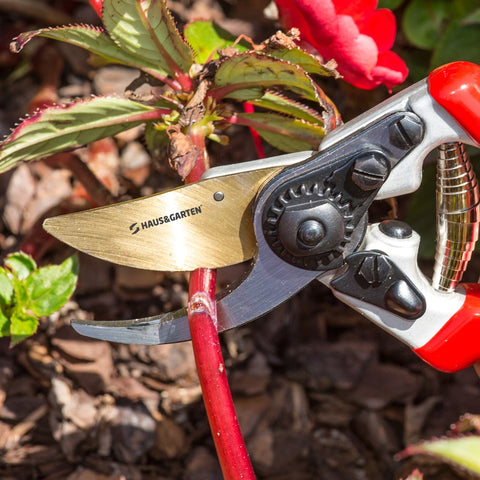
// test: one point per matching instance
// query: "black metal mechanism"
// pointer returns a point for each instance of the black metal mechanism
(373, 278)
(316, 213)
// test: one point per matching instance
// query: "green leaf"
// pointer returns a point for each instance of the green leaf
(206, 37)
(280, 103)
(460, 42)
(58, 128)
(156, 141)
(461, 451)
(22, 325)
(96, 41)
(6, 289)
(246, 77)
(4, 324)
(145, 29)
(425, 20)
(21, 264)
(49, 288)
(305, 60)
(284, 133)
(20, 295)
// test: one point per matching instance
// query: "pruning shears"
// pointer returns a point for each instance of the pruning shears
(304, 216)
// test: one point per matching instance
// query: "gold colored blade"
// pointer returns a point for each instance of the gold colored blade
(204, 224)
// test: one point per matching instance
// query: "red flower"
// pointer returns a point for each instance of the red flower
(97, 5)
(352, 32)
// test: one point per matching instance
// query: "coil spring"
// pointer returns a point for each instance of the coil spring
(457, 197)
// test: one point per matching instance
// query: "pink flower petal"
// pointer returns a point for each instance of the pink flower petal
(391, 70)
(357, 9)
(352, 32)
(381, 26)
(352, 51)
(315, 20)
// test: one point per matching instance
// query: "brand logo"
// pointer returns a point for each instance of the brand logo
(172, 217)
(134, 228)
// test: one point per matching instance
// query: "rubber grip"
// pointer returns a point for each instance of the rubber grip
(456, 87)
(457, 344)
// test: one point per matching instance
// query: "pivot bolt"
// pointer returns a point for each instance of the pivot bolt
(406, 132)
(310, 233)
(370, 170)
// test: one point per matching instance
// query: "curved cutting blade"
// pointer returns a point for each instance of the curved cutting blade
(266, 285)
(205, 224)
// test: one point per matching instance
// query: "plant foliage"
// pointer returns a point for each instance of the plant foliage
(28, 292)
(441, 31)
(204, 72)
(460, 448)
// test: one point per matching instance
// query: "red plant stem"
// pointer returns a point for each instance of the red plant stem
(202, 315)
(229, 443)
(257, 140)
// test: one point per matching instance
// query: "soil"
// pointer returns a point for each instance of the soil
(320, 392)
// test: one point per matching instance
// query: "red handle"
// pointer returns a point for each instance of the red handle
(456, 87)
(457, 344)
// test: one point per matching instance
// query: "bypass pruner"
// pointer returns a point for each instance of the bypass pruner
(304, 216)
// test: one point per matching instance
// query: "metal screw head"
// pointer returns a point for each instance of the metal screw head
(370, 170)
(218, 196)
(395, 229)
(310, 233)
(406, 132)
(373, 269)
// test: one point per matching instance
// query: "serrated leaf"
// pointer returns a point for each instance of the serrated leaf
(460, 451)
(49, 288)
(55, 129)
(96, 41)
(246, 77)
(308, 62)
(206, 37)
(145, 28)
(22, 325)
(6, 289)
(282, 104)
(21, 264)
(284, 133)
